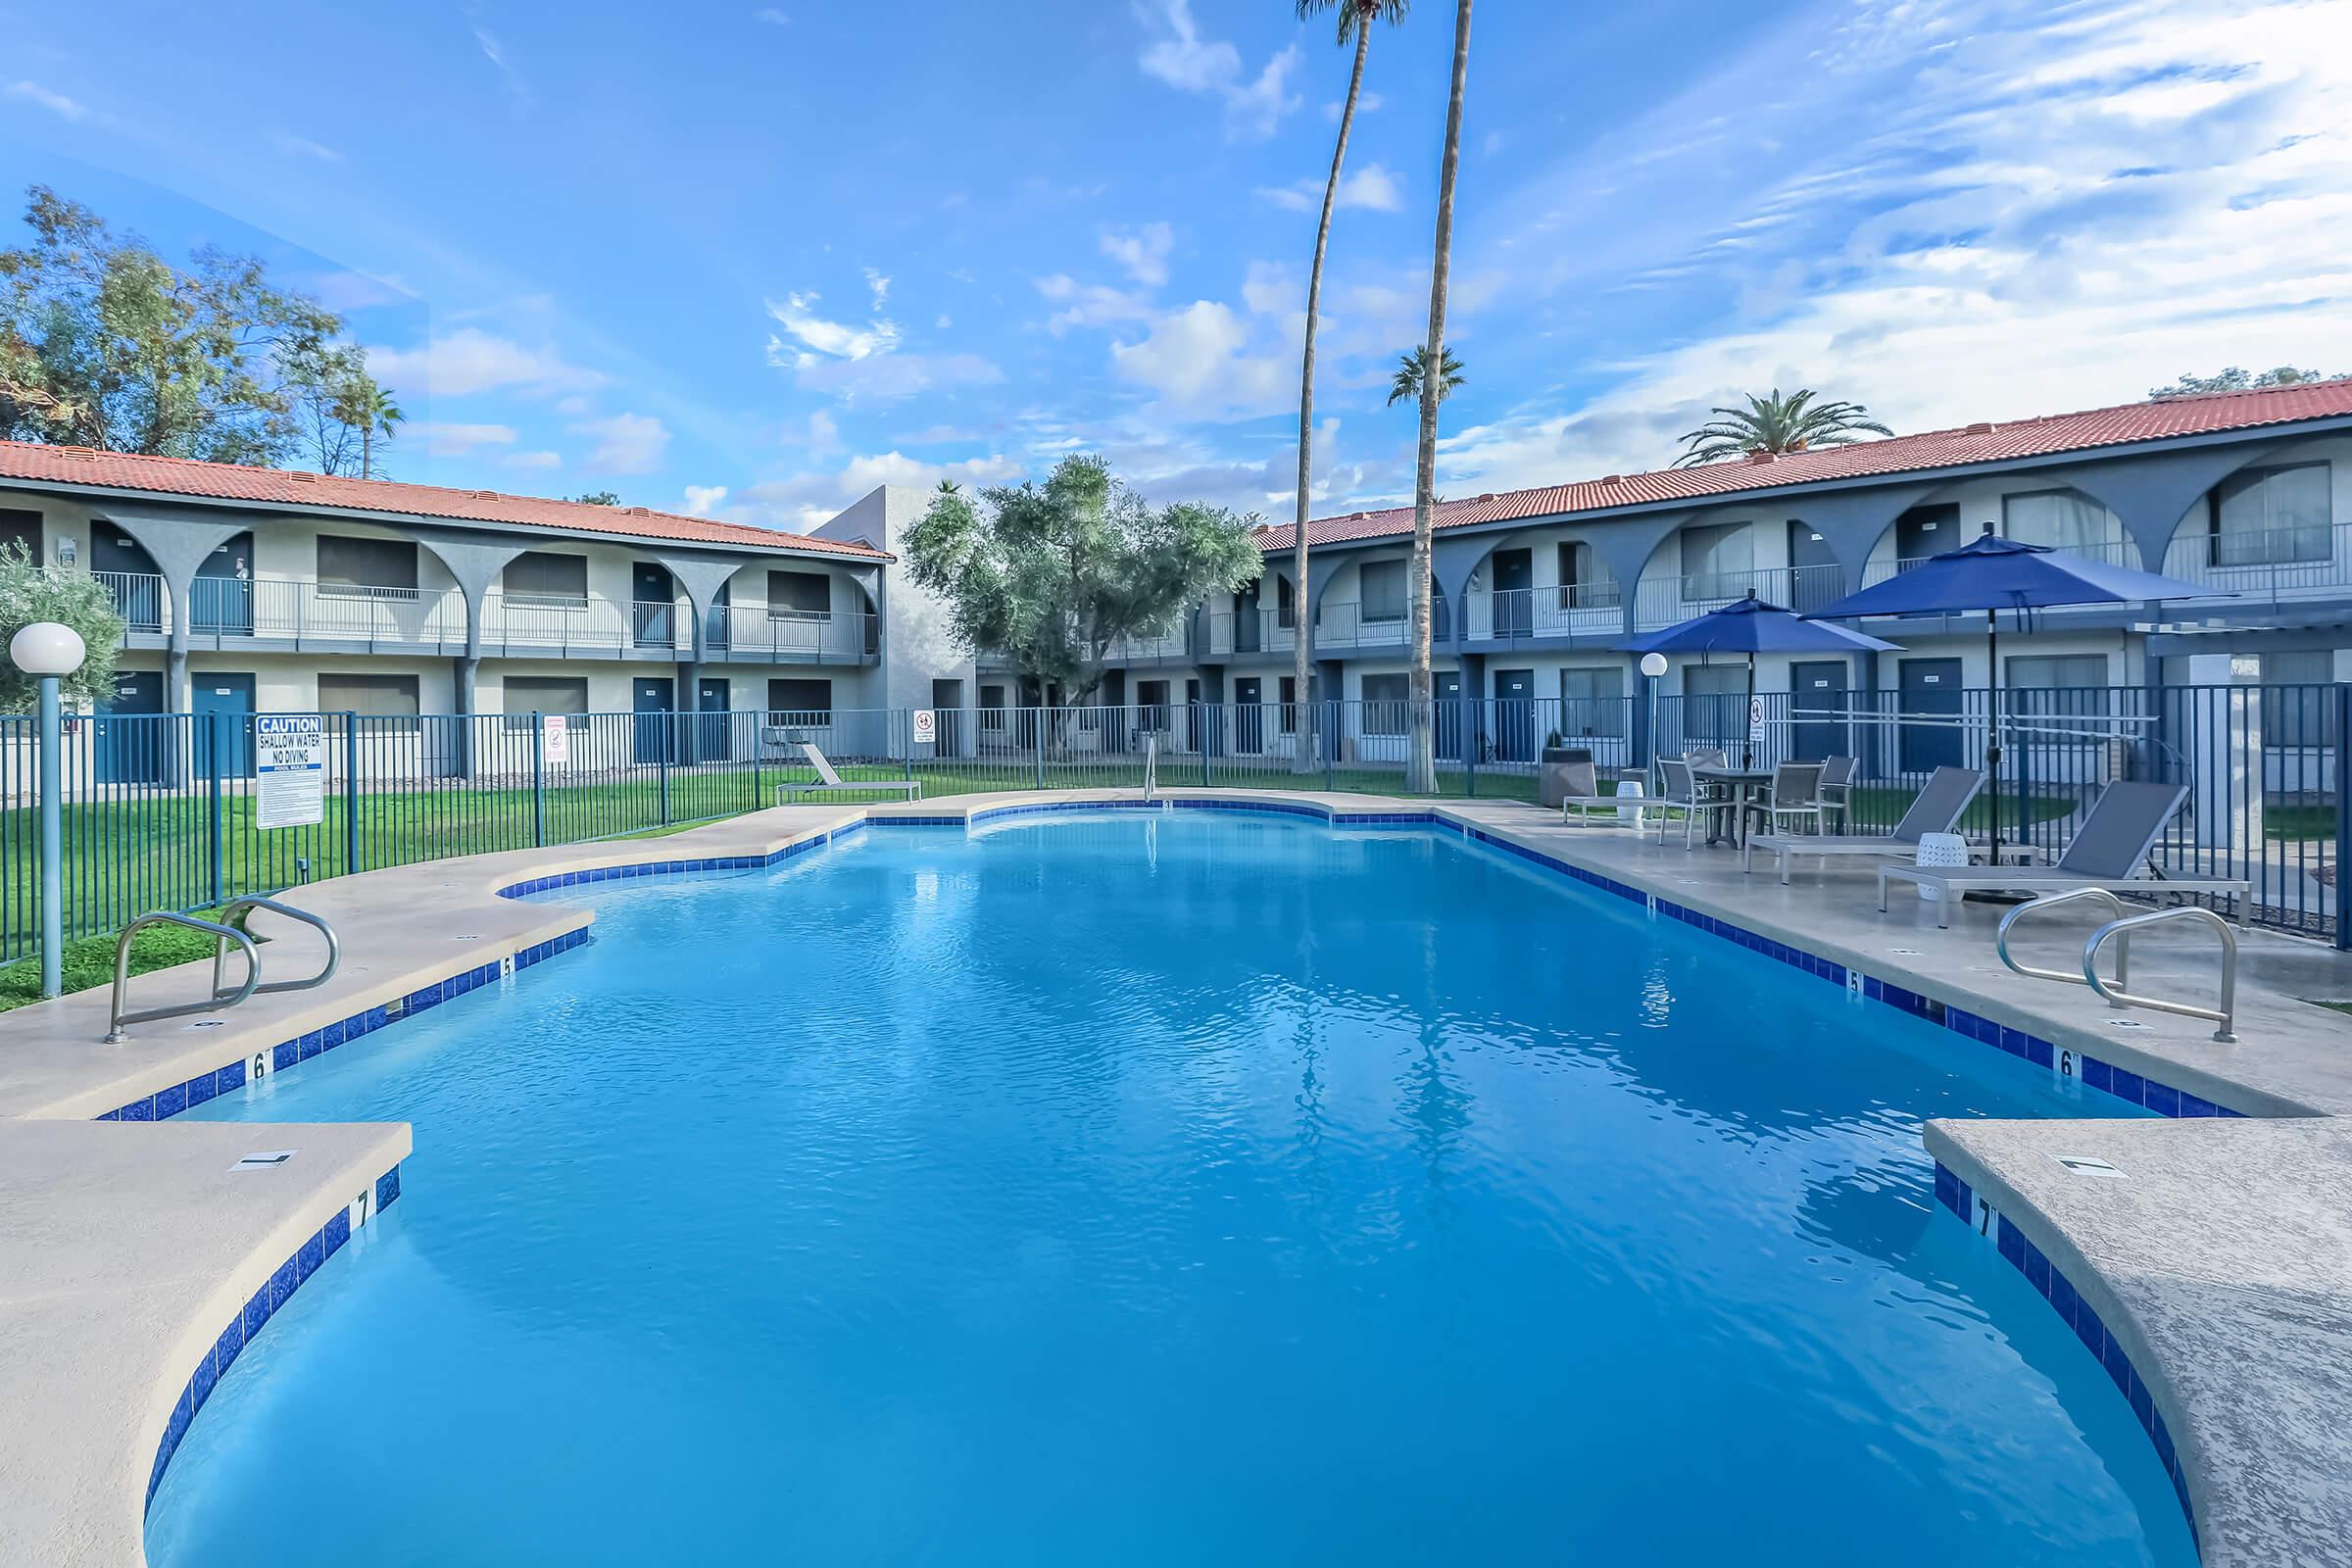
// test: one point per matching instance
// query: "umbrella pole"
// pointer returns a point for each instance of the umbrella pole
(1747, 728)
(1992, 726)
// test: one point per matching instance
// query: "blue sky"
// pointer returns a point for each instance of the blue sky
(751, 260)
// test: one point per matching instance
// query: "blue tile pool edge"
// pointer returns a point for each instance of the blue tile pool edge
(264, 1304)
(2123, 1083)
(1956, 1197)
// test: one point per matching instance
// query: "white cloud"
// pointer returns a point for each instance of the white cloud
(940, 435)
(878, 286)
(1197, 360)
(1143, 253)
(2060, 210)
(702, 499)
(471, 360)
(1089, 304)
(777, 18)
(819, 337)
(535, 460)
(518, 91)
(57, 103)
(1371, 187)
(1271, 290)
(824, 435)
(887, 377)
(1189, 63)
(625, 443)
(1365, 103)
(444, 440)
(304, 147)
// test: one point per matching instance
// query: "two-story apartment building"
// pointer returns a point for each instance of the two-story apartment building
(257, 590)
(2247, 496)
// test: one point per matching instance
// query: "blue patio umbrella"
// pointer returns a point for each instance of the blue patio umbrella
(1995, 574)
(1751, 626)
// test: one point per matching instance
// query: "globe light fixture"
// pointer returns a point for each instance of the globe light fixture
(46, 648)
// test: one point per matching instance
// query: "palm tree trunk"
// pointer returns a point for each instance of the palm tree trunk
(1421, 776)
(1304, 749)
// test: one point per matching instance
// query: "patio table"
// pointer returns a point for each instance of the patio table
(1740, 782)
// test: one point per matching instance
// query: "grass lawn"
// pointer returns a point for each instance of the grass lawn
(2298, 822)
(90, 960)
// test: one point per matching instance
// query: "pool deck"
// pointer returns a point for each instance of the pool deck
(2223, 1254)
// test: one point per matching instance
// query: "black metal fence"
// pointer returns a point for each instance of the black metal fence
(159, 810)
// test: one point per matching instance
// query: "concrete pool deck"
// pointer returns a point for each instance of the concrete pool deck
(2236, 1201)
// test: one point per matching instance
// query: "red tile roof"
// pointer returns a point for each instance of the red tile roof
(1903, 453)
(223, 481)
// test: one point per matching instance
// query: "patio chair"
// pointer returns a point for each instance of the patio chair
(1584, 793)
(1686, 792)
(1706, 757)
(1838, 786)
(1794, 798)
(830, 783)
(1935, 809)
(2110, 851)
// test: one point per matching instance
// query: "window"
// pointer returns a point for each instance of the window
(551, 581)
(21, 527)
(2062, 520)
(544, 694)
(1719, 560)
(2055, 687)
(382, 700)
(367, 567)
(799, 595)
(1383, 590)
(2299, 706)
(1584, 583)
(1286, 604)
(1592, 702)
(991, 709)
(2272, 516)
(1926, 531)
(1290, 704)
(1385, 698)
(1714, 703)
(801, 701)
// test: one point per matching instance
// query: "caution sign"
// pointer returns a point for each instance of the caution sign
(555, 741)
(290, 768)
(1756, 720)
(926, 726)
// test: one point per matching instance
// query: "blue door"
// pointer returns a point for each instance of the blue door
(714, 729)
(223, 709)
(1929, 689)
(132, 733)
(656, 704)
(1514, 715)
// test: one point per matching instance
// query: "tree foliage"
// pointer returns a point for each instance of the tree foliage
(2237, 379)
(1776, 425)
(29, 593)
(598, 498)
(105, 344)
(1412, 366)
(1051, 575)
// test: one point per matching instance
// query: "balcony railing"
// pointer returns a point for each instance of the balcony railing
(657, 623)
(138, 598)
(553, 624)
(1569, 610)
(790, 636)
(1223, 633)
(1662, 601)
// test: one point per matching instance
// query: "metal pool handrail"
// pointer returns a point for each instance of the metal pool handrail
(255, 901)
(2223, 1016)
(118, 1019)
(2119, 931)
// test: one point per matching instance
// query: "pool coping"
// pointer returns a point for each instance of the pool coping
(493, 891)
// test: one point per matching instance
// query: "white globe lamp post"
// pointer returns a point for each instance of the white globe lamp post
(49, 653)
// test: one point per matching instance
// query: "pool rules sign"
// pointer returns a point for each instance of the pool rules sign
(290, 768)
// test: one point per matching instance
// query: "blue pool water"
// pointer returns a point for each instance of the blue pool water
(1161, 1190)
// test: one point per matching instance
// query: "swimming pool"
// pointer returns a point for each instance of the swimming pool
(1161, 1189)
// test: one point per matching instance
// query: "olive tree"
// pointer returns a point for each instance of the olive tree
(31, 593)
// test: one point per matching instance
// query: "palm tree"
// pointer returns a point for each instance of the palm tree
(377, 412)
(1776, 425)
(1355, 18)
(1421, 773)
(1411, 367)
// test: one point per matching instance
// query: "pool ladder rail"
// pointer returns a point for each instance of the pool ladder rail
(2119, 931)
(221, 997)
(1151, 766)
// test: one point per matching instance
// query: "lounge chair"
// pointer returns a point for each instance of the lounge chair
(1685, 792)
(1936, 809)
(830, 783)
(1584, 793)
(2110, 851)
(1838, 786)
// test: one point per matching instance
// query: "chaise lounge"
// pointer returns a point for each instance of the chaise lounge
(1936, 809)
(831, 783)
(2110, 851)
